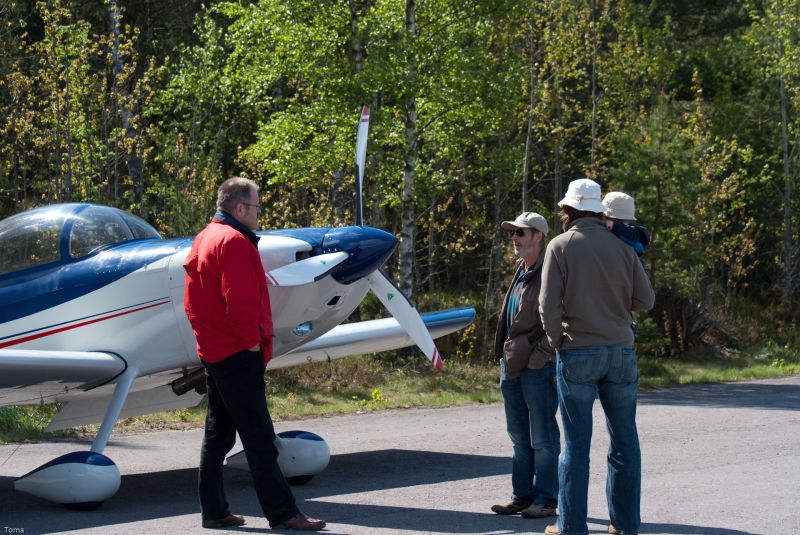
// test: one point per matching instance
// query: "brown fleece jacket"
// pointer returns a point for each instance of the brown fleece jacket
(591, 281)
(524, 344)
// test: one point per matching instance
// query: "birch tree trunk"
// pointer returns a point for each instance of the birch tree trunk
(526, 166)
(407, 219)
(340, 196)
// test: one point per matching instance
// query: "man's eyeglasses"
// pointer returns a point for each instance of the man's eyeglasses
(256, 206)
(519, 232)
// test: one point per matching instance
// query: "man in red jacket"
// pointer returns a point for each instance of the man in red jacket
(227, 301)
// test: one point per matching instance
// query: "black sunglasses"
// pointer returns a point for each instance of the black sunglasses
(519, 232)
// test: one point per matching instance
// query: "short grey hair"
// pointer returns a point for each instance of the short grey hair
(233, 191)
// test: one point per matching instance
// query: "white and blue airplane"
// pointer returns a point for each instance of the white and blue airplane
(92, 319)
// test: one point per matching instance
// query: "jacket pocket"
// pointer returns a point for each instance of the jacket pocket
(516, 352)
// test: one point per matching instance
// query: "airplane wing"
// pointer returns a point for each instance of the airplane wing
(89, 408)
(31, 377)
(371, 337)
(28, 376)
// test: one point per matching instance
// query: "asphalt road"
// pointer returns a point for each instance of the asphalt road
(717, 459)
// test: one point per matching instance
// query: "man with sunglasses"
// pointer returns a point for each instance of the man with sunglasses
(227, 301)
(527, 378)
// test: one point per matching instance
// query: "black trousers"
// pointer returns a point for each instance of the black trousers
(237, 403)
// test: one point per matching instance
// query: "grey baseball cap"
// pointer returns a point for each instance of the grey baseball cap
(527, 220)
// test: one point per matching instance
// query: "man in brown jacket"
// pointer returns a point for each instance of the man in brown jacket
(527, 378)
(591, 281)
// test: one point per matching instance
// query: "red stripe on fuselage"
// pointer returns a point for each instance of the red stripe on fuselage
(75, 326)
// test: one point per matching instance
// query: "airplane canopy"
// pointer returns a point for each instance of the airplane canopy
(64, 232)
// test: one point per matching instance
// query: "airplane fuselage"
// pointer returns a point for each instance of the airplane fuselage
(127, 300)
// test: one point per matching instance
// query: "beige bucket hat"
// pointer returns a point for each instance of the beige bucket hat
(619, 206)
(583, 194)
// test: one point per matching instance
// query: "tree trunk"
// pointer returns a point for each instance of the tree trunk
(55, 193)
(356, 50)
(557, 162)
(594, 90)
(407, 219)
(492, 298)
(788, 245)
(68, 139)
(132, 158)
(357, 64)
(339, 198)
(529, 133)
(431, 249)
(653, 254)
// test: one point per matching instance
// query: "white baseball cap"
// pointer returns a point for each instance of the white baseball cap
(527, 220)
(619, 206)
(583, 194)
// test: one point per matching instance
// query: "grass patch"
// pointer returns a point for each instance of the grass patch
(358, 385)
(25, 423)
(766, 362)
(361, 384)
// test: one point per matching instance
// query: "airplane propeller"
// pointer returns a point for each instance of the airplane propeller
(406, 315)
(361, 156)
(390, 295)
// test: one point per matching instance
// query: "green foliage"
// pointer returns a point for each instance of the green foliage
(679, 104)
(24, 422)
(376, 401)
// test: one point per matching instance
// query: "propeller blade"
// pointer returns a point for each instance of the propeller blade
(361, 156)
(405, 314)
(305, 271)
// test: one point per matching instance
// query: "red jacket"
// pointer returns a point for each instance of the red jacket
(226, 296)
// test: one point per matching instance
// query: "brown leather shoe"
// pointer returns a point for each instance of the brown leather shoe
(537, 510)
(301, 522)
(230, 521)
(614, 531)
(511, 508)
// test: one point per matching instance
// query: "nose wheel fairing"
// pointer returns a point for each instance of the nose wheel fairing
(79, 480)
(301, 456)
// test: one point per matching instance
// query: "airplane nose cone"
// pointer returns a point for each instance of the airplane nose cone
(368, 248)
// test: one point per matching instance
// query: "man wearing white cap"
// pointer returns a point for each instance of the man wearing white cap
(620, 213)
(527, 378)
(591, 282)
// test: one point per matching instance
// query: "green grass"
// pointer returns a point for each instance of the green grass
(372, 384)
(366, 384)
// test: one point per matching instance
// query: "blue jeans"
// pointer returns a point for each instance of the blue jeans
(582, 374)
(531, 402)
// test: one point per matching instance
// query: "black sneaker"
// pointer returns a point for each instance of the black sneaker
(511, 508)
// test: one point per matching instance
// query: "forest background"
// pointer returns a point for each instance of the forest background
(480, 109)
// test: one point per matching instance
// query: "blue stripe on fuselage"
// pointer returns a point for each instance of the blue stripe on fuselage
(32, 293)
